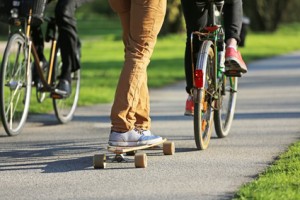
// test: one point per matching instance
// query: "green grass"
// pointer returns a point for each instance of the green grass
(262, 45)
(280, 181)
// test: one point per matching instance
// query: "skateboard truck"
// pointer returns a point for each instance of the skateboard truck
(119, 158)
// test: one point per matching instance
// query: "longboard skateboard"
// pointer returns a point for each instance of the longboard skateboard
(140, 159)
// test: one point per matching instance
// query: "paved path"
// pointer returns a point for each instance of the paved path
(50, 161)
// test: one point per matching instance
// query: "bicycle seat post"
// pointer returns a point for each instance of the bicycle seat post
(211, 13)
(213, 5)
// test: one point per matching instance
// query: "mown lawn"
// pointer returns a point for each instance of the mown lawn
(280, 181)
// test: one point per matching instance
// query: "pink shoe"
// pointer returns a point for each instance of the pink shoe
(189, 106)
(234, 64)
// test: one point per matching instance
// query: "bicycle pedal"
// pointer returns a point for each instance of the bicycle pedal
(56, 96)
(233, 73)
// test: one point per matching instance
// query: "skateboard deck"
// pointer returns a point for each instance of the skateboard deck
(122, 150)
(140, 159)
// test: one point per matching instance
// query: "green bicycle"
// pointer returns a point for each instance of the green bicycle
(214, 93)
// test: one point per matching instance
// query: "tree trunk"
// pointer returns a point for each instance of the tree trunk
(265, 15)
(174, 19)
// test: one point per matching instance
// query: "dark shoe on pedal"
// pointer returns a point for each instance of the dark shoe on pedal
(234, 63)
(233, 73)
(63, 90)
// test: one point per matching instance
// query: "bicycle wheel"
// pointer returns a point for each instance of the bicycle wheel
(203, 112)
(65, 108)
(40, 95)
(15, 85)
(39, 90)
(223, 116)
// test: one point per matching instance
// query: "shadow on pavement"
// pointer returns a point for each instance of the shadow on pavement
(50, 157)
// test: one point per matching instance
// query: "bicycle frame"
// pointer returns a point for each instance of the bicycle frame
(47, 81)
(47, 84)
(214, 33)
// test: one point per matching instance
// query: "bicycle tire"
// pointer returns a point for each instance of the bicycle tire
(40, 96)
(39, 93)
(65, 108)
(203, 112)
(15, 85)
(223, 116)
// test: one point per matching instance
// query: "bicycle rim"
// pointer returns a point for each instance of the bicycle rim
(224, 115)
(203, 112)
(15, 85)
(39, 93)
(40, 96)
(65, 108)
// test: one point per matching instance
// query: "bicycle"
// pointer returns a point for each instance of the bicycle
(19, 59)
(214, 93)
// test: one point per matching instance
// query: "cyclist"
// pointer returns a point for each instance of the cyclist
(195, 18)
(68, 42)
(141, 22)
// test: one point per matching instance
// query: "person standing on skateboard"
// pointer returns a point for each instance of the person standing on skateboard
(141, 22)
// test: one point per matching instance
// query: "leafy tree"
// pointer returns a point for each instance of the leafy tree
(265, 15)
(292, 13)
(174, 22)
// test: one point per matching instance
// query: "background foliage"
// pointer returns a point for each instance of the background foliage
(265, 15)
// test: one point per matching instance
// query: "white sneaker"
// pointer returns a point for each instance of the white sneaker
(146, 132)
(132, 138)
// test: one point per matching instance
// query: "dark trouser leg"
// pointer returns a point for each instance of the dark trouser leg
(38, 40)
(195, 19)
(68, 39)
(233, 16)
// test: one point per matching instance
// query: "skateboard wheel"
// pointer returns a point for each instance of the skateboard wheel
(99, 161)
(169, 148)
(140, 160)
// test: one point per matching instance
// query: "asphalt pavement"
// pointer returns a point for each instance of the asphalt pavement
(52, 161)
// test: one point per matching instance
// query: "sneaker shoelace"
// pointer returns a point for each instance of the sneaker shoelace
(140, 131)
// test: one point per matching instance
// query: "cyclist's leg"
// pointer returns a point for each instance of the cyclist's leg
(38, 41)
(68, 40)
(195, 19)
(233, 16)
